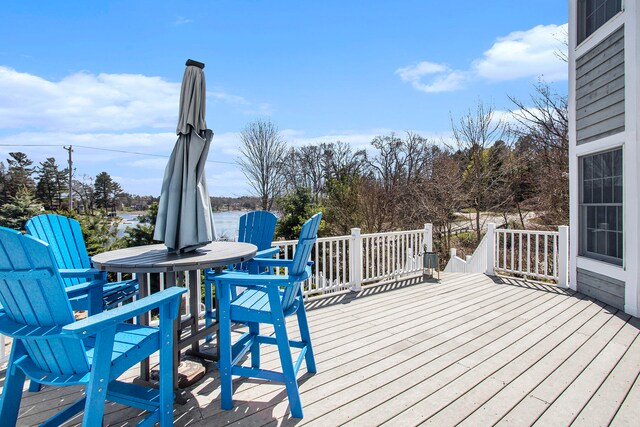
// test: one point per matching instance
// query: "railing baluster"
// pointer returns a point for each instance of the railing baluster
(555, 256)
(546, 258)
(520, 252)
(537, 264)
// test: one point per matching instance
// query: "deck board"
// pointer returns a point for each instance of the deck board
(469, 350)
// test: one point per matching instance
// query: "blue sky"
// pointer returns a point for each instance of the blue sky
(107, 74)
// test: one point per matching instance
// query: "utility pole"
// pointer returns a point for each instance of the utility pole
(70, 150)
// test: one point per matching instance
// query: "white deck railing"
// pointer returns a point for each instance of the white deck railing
(347, 262)
(476, 263)
(530, 254)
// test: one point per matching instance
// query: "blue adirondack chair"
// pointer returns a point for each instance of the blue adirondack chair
(256, 227)
(51, 348)
(64, 236)
(264, 302)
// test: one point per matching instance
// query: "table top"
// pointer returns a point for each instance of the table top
(156, 258)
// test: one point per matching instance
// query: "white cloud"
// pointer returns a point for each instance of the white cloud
(84, 102)
(442, 78)
(181, 20)
(520, 54)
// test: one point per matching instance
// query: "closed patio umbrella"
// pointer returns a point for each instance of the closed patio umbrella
(185, 220)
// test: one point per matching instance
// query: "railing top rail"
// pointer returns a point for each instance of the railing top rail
(394, 233)
(509, 230)
(346, 237)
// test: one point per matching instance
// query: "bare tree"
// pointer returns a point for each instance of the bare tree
(544, 124)
(440, 195)
(474, 134)
(262, 162)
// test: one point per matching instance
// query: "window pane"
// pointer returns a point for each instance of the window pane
(601, 242)
(620, 245)
(617, 163)
(612, 244)
(617, 190)
(597, 191)
(600, 18)
(601, 217)
(587, 189)
(607, 190)
(606, 159)
(587, 168)
(591, 217)
(591, 240)
(612, 218)
(597, 166)
(619, 221)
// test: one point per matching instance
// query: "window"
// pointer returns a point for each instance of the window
(592, 14)
(601, 220)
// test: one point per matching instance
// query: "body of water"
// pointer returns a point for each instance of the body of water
(226, 223)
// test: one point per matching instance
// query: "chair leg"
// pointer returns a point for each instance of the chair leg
(34, 386)
(12, 391)
(287, 368)
(282, 339)
(226, 392)
(208, 307)
(166, 367)
(96, 389)
(254, 329)
(306, 338)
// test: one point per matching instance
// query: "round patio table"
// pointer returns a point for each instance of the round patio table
(156, 259)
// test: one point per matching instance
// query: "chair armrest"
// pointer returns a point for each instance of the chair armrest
(93, 324)
(84, 288)
(267, 253)
(88, 273)
(245, 279)
(271, 262)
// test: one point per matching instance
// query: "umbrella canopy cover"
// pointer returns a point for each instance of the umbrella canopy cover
(185, 220)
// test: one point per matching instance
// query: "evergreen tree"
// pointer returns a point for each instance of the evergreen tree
(19, 210)
(19, 173)
(106, 191)
(102, 190)
(143, 233)
(297, 208)
(50, 184)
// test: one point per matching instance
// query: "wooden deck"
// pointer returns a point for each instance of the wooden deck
(469, 350)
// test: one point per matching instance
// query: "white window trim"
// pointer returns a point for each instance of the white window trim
(601, 33)
(602, 267)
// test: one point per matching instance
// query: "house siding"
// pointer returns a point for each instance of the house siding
(603, 288)
(600, 90)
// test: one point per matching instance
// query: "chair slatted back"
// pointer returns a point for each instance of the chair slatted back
(32, 293)
(64, 236)
(257, 227)
(307, 239)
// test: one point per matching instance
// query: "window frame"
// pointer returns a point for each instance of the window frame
(583, 223)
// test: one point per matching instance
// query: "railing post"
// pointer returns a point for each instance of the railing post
(491, 249)
(453, 253)
(428, 237)
(563, 256)
(355, 260)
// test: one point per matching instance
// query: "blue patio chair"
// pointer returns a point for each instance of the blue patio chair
(51, 348)
(264, 302)
(64, 236)
(256, 227)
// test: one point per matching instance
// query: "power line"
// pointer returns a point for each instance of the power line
(107, 149)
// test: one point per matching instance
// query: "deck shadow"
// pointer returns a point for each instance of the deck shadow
(347, 297)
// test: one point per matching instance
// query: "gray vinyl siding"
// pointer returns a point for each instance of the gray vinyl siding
(602, 288)
(600, 90)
